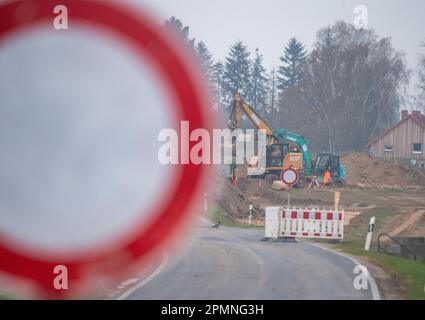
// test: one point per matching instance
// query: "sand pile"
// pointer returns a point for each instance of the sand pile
(365, 172)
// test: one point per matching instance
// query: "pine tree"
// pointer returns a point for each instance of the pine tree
(206, 62)
(237, 69)
(217, 77)
(258, 84)
(205, 57)
(175, 25)
(288, 73)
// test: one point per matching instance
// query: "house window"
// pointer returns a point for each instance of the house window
(417, 148)
(388, 148)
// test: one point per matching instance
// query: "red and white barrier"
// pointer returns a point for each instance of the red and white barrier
(304, 223)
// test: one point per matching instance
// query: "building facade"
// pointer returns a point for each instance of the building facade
(404, 142)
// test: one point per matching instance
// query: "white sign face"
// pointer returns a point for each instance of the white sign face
(289, 176)
(83, 193)
(78, 130)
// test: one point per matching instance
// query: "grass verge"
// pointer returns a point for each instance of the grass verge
(408, 273)
(357, 229)
(219, 214)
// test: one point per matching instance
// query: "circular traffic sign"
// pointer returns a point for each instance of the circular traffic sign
(289, 176)
(35, 265)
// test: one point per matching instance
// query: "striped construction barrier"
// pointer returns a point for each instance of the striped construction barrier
(304, 223)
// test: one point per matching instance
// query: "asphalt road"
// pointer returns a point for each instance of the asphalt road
(231, 263)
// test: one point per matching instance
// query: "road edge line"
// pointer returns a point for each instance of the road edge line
(140, 284)
(373, 286)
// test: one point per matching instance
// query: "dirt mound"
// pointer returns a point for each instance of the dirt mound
(232, 200)
(365, 172)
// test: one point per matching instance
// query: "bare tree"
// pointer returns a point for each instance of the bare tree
(420, 99)
(351, 89)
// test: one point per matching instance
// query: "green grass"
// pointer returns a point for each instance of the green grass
(219, 214)
(381, 214)
(408, 273)
(358, 228)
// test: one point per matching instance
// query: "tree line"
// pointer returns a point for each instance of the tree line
(344, 91)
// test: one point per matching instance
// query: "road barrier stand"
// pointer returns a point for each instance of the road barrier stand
(285, 222)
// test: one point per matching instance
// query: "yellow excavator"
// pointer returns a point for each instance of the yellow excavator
(279, 155)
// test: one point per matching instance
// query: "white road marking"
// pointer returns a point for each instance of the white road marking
(373, 287)
(127, 283)
(143, 282)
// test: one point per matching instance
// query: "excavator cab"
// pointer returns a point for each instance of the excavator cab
(329, 162)
(278, 157)
(276, 153)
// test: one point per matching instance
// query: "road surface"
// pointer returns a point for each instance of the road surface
(232, 263)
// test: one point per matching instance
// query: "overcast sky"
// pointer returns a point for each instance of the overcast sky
(268, 24)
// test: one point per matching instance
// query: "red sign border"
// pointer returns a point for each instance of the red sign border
(296, 174)
(150, 42)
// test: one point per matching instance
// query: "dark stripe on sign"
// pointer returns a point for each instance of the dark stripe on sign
(306, 215)
(317, 215)
(329, 216)
(294, 215)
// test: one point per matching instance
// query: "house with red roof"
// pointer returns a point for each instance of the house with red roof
(404, 141)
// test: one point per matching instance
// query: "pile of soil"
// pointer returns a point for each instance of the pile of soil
(365, 172)
(233, 200)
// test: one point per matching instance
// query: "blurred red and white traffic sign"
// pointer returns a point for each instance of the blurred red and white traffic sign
(80, 111)
(289, 176)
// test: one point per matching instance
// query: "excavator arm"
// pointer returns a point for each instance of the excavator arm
(240, 105)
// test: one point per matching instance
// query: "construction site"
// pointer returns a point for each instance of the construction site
(225, 150)
(392, 193)
(368, 187)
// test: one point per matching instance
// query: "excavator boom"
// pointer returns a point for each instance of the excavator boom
(240, 105)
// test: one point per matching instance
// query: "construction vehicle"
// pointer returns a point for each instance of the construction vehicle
(282, 155)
